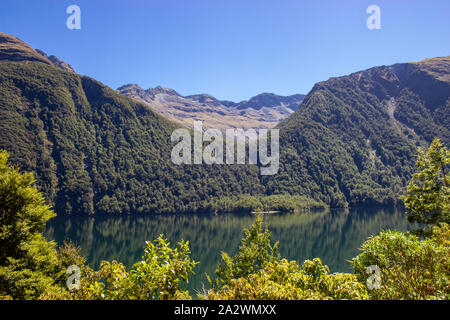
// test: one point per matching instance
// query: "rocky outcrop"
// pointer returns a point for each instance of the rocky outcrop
(56, 61)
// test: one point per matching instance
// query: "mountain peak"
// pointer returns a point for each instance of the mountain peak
(159, 89)
(263, 111)
(14, 49)
(271, 100)
(130, 87)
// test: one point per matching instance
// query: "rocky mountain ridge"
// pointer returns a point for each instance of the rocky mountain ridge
(262, 111)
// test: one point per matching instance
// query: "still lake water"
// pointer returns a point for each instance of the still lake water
(333, 235)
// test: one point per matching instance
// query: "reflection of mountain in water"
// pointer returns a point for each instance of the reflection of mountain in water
(333, 236)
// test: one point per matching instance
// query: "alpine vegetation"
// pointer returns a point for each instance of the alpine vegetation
(213, 153)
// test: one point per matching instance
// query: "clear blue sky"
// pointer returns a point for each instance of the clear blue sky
(231, 49)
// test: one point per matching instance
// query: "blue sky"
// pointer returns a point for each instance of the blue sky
(231, 49)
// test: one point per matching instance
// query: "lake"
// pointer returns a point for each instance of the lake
(333, 235)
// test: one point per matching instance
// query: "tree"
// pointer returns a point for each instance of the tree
(428, 197)
(258, 272)
(254, 254)
(29, 264)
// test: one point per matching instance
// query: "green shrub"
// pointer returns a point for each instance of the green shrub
(254, 254)
(28, 262)
(428, 198)
(258, 272)
(157, 276)
(410, 268)
(286, 280)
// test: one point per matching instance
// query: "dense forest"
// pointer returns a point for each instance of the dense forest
(93, 150)
(354, 138)
(352, 141)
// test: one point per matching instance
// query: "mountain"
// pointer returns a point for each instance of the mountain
(14, 49)
(354, 138)
(94, 150)
(270, 100)
(262, 111)
(352, 141)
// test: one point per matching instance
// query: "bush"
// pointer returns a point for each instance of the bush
(286, 280)
(250, 203)
(258, 272)
(29, 263)
(156, 277)
(410, 268)
(254, 254)
(428, 198)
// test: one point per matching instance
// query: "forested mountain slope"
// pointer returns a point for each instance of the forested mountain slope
(94, 150)
(352, 141)
(354, 138)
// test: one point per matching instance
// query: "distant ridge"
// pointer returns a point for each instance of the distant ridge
(14, 49)
(262, 111)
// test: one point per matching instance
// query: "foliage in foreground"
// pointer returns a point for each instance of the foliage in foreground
(284, 279)
(410, 268)
(32, 267)
(428, 198)
(156, 277)
(254, 254)
(29, 264)
(258, 272)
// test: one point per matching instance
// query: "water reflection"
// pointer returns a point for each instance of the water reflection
(334, 235)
